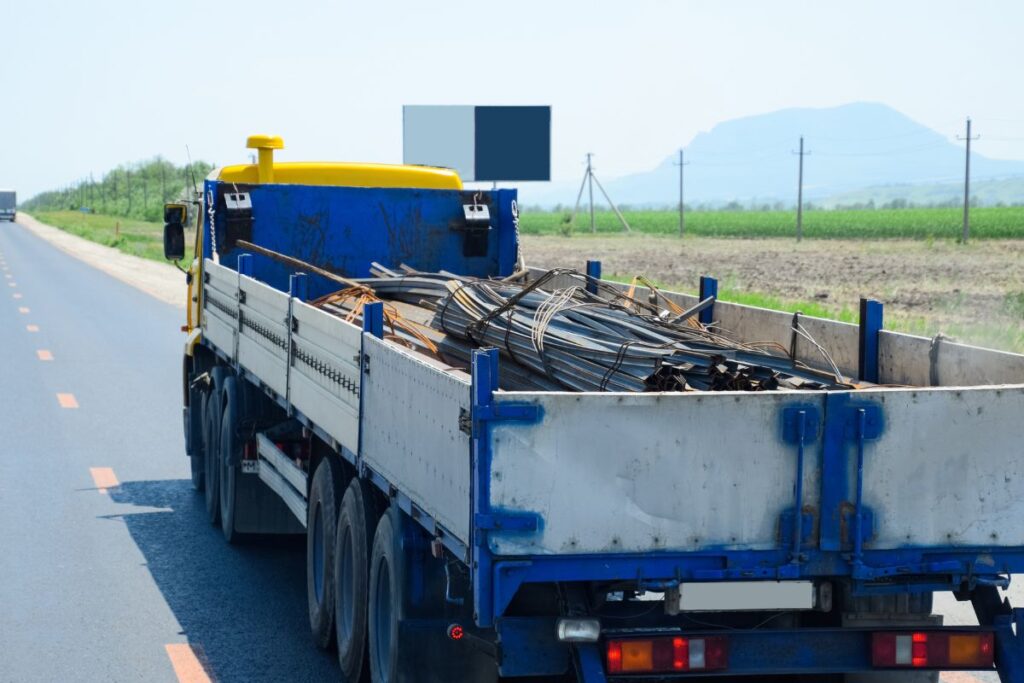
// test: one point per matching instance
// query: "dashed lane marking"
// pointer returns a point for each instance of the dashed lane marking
(23, 309)
(104, 478)
(32, 328)
(16, 295)
(12, 284)
(44, 354)
(67, 400)
(187, 666)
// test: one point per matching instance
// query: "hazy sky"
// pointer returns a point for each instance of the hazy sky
(89, 85)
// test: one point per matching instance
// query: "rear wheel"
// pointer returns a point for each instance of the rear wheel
(322, 516)
(357, 521)
(229, 452)
(385, 603)
(211, 488)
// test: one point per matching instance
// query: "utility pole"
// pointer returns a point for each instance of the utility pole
(588, 182)
(967, 183)
(682, 211)
(800, 193)
(590, 191)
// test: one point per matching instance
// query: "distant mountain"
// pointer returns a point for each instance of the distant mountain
(852, 147)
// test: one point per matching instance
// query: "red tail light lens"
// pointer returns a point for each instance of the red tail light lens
(933, 650)
(660, 655)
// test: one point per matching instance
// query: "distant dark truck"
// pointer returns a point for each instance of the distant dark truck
(8, 205)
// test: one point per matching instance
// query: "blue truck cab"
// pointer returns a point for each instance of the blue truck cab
(461, 531)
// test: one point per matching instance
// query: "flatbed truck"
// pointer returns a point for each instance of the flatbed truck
(457, 531)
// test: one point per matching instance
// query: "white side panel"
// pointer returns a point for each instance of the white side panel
(263, 344)
(411, 434)
(908, 359)
(641, 472)
(948, 468)
(220, 306)
(325, 376)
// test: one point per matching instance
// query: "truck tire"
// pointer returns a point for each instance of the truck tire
(211, 489)
(357, 522)
(230, 451)
(322, 516)
(387, 581)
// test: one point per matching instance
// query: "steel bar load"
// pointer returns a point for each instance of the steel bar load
(570, 338)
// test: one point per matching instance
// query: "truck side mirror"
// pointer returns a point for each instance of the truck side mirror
(174, 231)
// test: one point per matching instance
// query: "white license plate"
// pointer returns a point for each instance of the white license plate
(732, 596)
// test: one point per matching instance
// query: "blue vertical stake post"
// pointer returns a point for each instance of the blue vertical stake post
(593, 274)
(245, 265)
(373, 323)
(373, 319)
(708, 287)
(871, 320)
(484, 371)
(297, 286)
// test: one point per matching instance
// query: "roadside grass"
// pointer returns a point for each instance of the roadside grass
(131, 236)
(915, 223)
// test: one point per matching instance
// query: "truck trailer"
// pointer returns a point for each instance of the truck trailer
(465, 522)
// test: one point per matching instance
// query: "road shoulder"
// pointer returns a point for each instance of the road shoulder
(159, 280)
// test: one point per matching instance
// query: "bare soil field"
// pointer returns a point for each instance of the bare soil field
(972, 293)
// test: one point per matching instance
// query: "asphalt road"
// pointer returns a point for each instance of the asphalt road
(109, 569)
(130, 583)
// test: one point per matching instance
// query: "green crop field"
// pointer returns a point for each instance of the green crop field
(913, 223)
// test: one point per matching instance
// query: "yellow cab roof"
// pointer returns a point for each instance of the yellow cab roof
(346, 174)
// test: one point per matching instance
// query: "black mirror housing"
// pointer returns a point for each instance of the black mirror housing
(174, 241)
(174, 231)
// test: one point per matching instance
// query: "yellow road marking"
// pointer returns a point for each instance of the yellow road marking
(67, 400)
(44, 354)
(32, 328)
(23, 309)
(187, 666)
(104, 478)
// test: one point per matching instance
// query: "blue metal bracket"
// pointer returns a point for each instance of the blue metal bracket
(507, 521)
(799, 427)
(847, 422)
(708, 287)
(588, 659)
(593, 274)
(871, 321)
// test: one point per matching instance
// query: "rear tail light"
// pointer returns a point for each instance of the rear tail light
(932, 650)
(657, 655)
